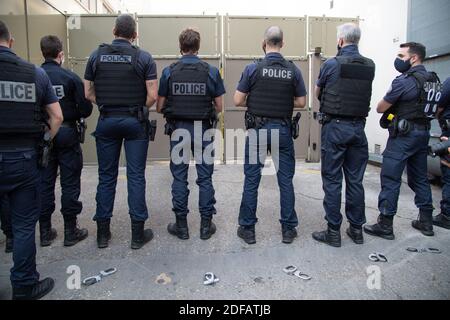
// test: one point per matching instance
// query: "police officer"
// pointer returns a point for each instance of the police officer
(344, 88)
(404, 108)
(66, 153)
(270, 89)
(121, 80)
(26, 94)
(190, 95)
(443, 219)
(5, 221)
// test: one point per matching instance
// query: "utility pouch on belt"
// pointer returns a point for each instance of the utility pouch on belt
(253, 122)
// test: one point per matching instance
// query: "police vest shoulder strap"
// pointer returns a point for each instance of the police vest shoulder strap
(9, 59)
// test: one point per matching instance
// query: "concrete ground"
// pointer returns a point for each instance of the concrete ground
(168, 268)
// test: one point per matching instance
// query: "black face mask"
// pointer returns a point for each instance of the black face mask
(401, 65)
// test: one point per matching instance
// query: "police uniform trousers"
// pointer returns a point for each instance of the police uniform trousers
(111, 133)
(183, 143)
(445, 203)
(5, 217)
(344, 153)
(258, 143)
(67, 155)
(19, 181)
(408, 150)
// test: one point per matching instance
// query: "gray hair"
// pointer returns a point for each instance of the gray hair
(274, 36)
(350, 32)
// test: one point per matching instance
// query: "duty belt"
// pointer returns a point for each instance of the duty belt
(118, 112)
(419, 126)
(69, 124)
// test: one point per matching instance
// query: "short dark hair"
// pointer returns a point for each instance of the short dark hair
(189, 40)
(5, 35)
(125, 26)
(416, 48)
(51, 46)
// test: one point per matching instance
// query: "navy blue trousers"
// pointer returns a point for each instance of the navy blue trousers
(19, 181)
(111, 134)
(180, 169)
(66, 155)
(344, 153)
(285, 162)
(408, 151)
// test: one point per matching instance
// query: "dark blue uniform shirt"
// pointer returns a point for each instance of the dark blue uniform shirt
(445, 100)
(45, 94)
(404, 87)
(74, 85)
(329, 71)
(146, 66)
(215, 82)
(248, 77)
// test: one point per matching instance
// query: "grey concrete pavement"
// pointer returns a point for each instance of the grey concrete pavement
(168, 268)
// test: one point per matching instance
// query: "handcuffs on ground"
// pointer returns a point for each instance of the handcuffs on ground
(424, 250)
(210, 279)
(378, 257)
(293, 271)
(95, 279)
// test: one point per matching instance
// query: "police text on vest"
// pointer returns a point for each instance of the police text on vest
(17, 91)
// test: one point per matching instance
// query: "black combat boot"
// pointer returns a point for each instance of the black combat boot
(103, 233)
(139, 236)
(442, 221)
(72, 234)
(329, 236)
(47, 233)
(9, 244)
(383, 229)
(247, 233)
(179, 228)
(424, 223)
(34, 292)
(207, 228)
(289, 234)
(356, 234)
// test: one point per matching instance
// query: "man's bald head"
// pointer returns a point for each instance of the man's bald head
(274, 37)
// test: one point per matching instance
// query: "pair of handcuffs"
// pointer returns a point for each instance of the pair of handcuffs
(95, 279)
(294, 271)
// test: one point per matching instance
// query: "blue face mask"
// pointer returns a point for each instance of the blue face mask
(401, 65)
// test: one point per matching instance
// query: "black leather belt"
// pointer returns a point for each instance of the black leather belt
(347, 119)
(21, 143)
(69, 124)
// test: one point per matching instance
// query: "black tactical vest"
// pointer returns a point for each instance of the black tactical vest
(20, 113)
(350, 95)
(426, 105)
(189, 97)
(117, 82)
(273, 92)
(65, 96)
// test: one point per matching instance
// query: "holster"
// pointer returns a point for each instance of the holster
(253, 122)
(169, 127)
(45, 148)
(323, 118)
(81, 128)
(295, 126)
(152, 127)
